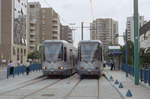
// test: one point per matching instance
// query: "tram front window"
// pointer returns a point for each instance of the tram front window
(88, 52)
(53, 52)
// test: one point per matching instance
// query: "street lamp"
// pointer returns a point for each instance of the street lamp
(136, 42)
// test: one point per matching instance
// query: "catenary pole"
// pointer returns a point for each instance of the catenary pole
(136, 42)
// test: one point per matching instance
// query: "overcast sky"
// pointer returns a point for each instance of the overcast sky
(76, 11)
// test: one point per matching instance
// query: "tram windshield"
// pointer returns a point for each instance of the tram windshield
(89, 52)
(53, 52)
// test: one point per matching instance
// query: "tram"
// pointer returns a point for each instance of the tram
(59, 58)
(90, 58)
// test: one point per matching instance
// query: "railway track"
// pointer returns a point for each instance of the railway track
(98, 89)
(70, 92)
(46, 87)
(34, 81)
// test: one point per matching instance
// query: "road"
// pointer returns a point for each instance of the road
(69, 88)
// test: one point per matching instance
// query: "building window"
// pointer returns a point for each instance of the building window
(18, 54)
(14, 51)
(31, 6)
(24, 52)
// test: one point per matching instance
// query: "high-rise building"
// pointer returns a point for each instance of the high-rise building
(13, 31)
(105, 30)
(130, 26)
(34, 25)
(66, 33)
(50, 25)
(44, 24)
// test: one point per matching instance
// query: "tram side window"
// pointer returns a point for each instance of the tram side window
(65, 54)
(43, 55)
(79, 54)
(71, 56)
(101, 54)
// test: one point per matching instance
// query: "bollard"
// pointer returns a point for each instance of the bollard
(116, 82)
(149, 77)
(8, 72)
(121, 85)
(129, 94)
(145, 76)
(141, 73)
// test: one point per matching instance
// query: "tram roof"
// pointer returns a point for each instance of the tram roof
(86, 41)
(57, 41)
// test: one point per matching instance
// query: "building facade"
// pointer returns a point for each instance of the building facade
(105, 30)
(145, 35)
(13, 36)
(130, 26)
(34, 25)
(50, 25)
(66, 33)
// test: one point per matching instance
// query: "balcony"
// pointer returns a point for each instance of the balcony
(32, 28)
(32, 39)
(33, 21)
(32, 45)
(55, 30)
(32, 33)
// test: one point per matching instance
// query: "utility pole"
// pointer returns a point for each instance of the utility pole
(127, 53)
(82, 30)
(136, 42)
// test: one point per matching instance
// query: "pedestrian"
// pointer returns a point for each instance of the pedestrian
(112, 64)
(11, 66)
(27, 67)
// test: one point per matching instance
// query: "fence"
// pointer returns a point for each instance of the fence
(22, 69)
(144, 74)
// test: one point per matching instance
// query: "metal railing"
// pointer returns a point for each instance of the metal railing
(22, 69)
(144, 73)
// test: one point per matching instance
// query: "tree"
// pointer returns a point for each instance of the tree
(34, 55)
(130, 53)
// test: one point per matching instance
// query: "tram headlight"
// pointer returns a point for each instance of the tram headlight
(61, 67)
(44, 68)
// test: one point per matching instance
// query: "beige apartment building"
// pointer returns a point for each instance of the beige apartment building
(13, 31)
(44, 24)
(50, 25)
(105, 30)
(34, 25)
(66, 33)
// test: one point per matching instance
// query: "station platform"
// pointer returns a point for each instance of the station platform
(142, 91)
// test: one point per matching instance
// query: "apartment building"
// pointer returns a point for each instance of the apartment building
(34, 25)
(50, 25)
(13, 31)
(66, 33)
(130, 26)
(105, 30)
